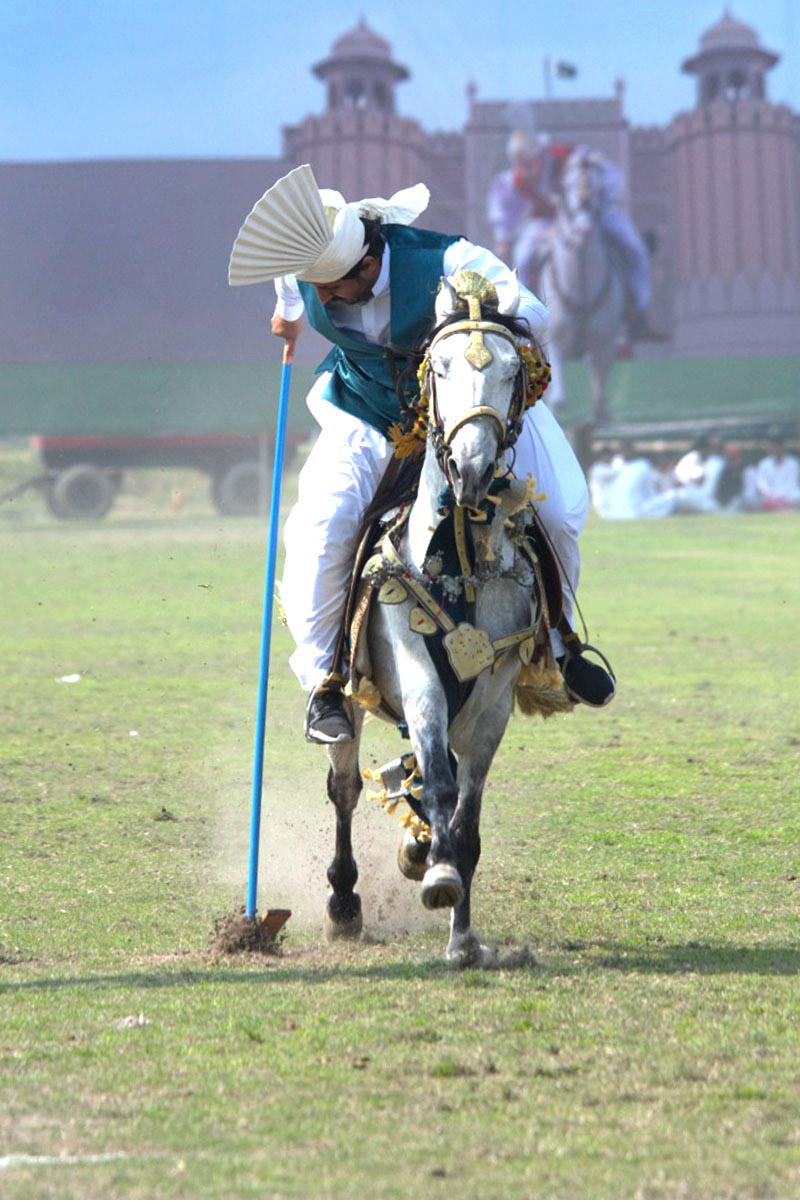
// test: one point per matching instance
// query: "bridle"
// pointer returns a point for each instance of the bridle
(424, 420)
(509, 424)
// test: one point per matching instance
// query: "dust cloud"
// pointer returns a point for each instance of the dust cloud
(298, 827)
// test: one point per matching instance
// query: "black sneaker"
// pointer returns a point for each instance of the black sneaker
(327, 719)
(587, 682)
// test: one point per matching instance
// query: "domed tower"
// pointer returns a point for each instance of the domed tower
(359, 72)
(735, 170)
(731, 64)
(359, 144)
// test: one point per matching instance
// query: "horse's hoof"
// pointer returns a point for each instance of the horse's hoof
(342, 924)
(442, 887)
(411, 855)
(472, 955)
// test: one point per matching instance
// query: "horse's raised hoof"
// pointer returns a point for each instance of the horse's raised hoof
(342, 923)
(411, 855)
(442, 887)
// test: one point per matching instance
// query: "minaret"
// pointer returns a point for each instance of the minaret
(359, 144)
(359, 72)
(735, 171)
(730, 64)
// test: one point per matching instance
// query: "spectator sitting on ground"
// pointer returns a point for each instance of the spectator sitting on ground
(696, 476)
(730, 482)
(634, 488)
(702, 463)
(778, 477)
(664, 468)
(750, 499)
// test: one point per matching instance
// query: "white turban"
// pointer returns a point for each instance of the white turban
(301, 230)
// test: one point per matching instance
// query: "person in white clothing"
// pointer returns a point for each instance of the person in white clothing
(778, 477)
(696, 475)
(522, 206)
(371, 288)
(634, 486)
(602, 475)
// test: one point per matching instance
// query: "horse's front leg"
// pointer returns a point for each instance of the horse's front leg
(343, 920)
(464, 946)
(476, 744)
(426, 714)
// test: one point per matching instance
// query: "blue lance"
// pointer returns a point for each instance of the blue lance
(274, 919)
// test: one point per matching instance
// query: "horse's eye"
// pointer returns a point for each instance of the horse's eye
(441, 366)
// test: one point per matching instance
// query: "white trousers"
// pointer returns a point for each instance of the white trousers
(339, 480)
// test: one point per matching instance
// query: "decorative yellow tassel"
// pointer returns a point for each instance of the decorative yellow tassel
(540, 690)
(408, 442)
(367, 695)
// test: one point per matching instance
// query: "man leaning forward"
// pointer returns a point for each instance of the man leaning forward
(366, 279)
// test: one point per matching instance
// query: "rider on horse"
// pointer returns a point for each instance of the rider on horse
(368, 283)
(522, 209)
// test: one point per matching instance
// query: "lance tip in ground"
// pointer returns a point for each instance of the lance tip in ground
(240, 933)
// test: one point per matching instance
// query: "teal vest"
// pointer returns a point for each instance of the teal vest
(362, 381)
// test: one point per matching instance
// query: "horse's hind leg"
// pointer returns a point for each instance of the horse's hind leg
(342, 919)
(599, 366)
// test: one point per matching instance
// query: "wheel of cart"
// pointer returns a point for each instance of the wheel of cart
(82, 491)
(240, 488)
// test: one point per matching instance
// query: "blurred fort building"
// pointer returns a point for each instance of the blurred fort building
(125, 260)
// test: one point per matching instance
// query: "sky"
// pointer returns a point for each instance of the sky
(95, 79)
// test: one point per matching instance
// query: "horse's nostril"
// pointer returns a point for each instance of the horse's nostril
(453, 471)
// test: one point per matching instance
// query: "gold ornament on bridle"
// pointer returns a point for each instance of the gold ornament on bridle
(476, 290)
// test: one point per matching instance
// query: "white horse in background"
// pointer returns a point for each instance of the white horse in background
(582, 284)
(475, 377)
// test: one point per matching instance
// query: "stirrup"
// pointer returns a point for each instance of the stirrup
(574, 647)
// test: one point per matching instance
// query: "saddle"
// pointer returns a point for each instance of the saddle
(443, 608)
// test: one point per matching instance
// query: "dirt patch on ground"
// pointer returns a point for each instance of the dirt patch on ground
(238, 933)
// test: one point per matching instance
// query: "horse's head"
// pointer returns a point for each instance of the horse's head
(476, 378)
(579, 194)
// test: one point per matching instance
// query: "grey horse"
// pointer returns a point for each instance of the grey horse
(475, 379)
(582, 285)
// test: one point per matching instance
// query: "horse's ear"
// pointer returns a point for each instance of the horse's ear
(446, 300)
(508, 297)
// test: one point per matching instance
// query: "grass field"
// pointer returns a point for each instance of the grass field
(648, 855)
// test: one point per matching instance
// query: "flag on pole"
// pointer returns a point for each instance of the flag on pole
(566, 70)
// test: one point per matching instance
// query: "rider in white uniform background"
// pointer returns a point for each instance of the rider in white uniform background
(348, 294)
(521, 207)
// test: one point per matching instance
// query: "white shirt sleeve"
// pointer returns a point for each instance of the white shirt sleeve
(290, 303)
(466, 255)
